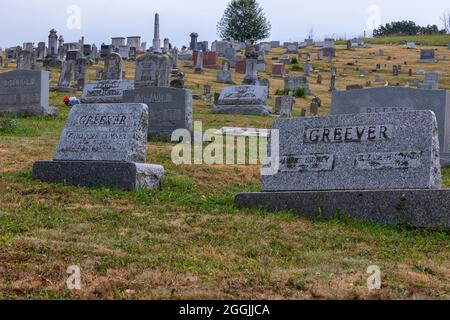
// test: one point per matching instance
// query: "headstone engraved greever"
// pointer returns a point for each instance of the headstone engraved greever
(25, 92)
(169, 109)
(379, 167)
(103, 145)
(397, 99)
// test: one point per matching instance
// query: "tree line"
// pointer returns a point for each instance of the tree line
(406, 28)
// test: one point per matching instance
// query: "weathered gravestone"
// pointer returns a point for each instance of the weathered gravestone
(124, 52)
(278, 70)
(397, 99)
(26, 60)
(106, 91)
(283, 106)
(41, 51)
(285, 59)
(81, 68)
(169, 109)
(329, 52)
(308, 68)
(199, 62)
(66, 77)
(249, 100)
(224, 75)
(251, 60)
(103, 145)
(375, 167)
(427, 55)
(25, 92)
(297, 82)
(153, 70)
(113, 67)
(431, 81)
(292, 48)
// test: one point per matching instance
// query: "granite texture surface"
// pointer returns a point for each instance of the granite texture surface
(105, 132)
(418, 208)
(169, 109)
(398, 99)
(118, 175)
(376, 151)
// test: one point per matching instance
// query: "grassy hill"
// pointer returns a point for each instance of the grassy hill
(187, 241)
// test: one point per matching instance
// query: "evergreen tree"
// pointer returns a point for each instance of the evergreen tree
(244, 20)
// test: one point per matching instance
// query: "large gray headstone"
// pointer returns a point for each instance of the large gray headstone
(103, 145)
(25, 92)
(375, 151)
(105, 132)
(431, 81)
(26, 60)
(427, 55)
(283, 106)
(66, 77)
(113, 67)
(169, 109)
(81, 69)
(396, 99)
(153, 70)
(294, 83)
(107, 91)
(224, 76)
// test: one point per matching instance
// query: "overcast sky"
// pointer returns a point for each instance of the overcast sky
(29, 21)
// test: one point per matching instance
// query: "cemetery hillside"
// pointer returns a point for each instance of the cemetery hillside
(234, 169)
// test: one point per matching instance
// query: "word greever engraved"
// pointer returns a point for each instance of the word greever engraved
(348, 134)
(302, 163)
(102, 120)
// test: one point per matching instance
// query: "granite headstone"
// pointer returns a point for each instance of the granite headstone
(103, 145)
(169, 109)
(25, 92)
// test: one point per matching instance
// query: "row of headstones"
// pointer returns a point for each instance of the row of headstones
(105, 144)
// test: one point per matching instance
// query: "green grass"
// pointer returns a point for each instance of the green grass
(433, 40)
(187, 240)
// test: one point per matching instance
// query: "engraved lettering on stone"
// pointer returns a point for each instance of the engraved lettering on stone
(383, 109)
(348, 134)
(388, 160)
(307, 163)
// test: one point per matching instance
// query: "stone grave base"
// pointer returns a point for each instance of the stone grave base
(64, 89)
(418, 208)
(258, 110)
(120, 175)
(427, 61)
(29, 111)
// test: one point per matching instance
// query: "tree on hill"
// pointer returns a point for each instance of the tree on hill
(406, 28)
(244, 20)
